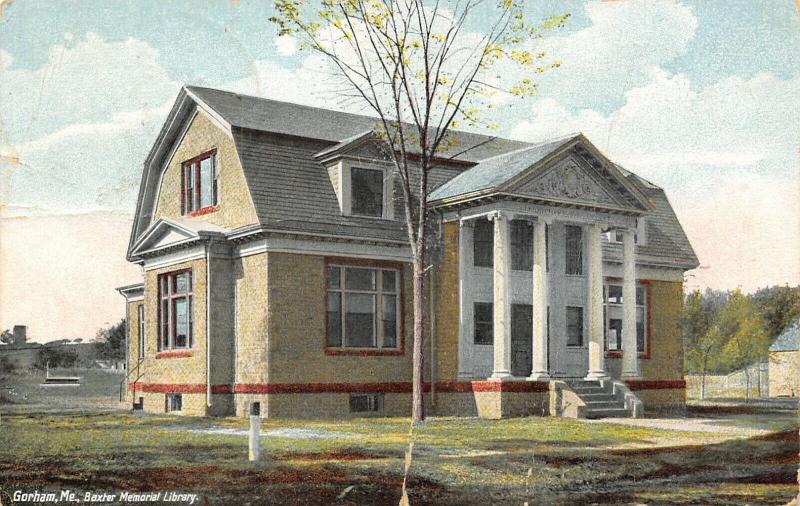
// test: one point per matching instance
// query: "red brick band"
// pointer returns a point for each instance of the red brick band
(393, 388)
(174, 354)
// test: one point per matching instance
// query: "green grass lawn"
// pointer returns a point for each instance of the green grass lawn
(456, 460)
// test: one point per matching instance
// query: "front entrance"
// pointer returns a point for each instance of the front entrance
(521, 339)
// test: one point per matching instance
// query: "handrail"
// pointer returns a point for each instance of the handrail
(123, 384)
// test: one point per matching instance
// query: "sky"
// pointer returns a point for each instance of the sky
(700, 97)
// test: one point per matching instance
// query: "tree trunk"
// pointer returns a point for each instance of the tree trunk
(703, 382)
(418, 406)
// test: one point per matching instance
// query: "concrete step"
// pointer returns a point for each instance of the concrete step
(608, 413)
(591, 391)
(606, 404)
(599, 396)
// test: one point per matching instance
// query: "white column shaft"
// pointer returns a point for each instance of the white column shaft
(539, 303)
(502, 296)
(467, 308)
(594, 304)
(630, 354)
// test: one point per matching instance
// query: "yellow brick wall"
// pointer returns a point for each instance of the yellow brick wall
(176, 370)
(252, 303)
(447, 310)
(784, 373)
(296, 322)
(236, 207)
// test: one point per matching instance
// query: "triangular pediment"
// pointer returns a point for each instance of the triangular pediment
(568, 180)
(163, 234)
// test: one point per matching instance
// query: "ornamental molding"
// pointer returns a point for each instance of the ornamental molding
(568, 181)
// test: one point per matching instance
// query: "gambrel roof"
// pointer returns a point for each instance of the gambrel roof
(281, 145)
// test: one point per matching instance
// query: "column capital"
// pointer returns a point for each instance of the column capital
(500, 215)
(466, 222)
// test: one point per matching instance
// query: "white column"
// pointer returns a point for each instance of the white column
(466, 324)
(630, 354)
(502, 296)
(594, 305)
(540, 290)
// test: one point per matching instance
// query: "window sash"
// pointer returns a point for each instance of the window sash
(574, 326)
(141, 338)
(612, 310)
(573, 250)
(483, 317)
(521, 245)
(366, 192)
(483, 243)
(199, 182)
(169, 298)
(376, 293)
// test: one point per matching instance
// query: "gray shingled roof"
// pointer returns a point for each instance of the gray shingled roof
(789, 340)
(494, 171)
(297, 120)
(291, 190)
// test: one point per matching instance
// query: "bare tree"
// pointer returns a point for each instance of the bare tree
(422, 68)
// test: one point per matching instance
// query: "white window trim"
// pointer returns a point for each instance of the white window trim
(345, 188)
(607, 315)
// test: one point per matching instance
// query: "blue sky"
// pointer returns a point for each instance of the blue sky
(700, 97)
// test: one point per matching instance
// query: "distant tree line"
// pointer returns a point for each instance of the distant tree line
(725, 331)
(108, 344)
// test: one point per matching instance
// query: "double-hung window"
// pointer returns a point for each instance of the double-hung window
(574, 250)
(612, 298)
(141, 338)
(521, 245)
(574, 326)
(199, 183)
(175, 324)
(483, 243)
(363, 307)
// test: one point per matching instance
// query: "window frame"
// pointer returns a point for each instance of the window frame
(489, 322)
(644, 284)
(384, 203)
(582, 327)
(399, 294)
(169, 402)
(165, 344)
(375, 403)
(192, 168)
(478, 239)
(522, 239)
(140, 338)
(580, 253)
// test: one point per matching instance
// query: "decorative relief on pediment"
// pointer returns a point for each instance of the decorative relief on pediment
(568, 182)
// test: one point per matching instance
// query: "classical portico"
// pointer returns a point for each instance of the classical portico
(551, 278)
(507, 288)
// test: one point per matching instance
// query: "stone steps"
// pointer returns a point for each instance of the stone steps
(600, 400)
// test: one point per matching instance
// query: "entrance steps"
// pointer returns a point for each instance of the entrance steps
(593, 399)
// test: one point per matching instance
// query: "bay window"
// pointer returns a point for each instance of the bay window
(363, 307)
(175, 322)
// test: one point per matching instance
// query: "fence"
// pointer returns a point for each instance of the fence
(734, 384)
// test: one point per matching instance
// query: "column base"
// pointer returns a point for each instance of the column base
(597, 376)
(539, 376)
(501, 376)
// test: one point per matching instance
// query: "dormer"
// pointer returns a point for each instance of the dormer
(361, 176)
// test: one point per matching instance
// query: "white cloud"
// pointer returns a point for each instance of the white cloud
(86, 81)
(286, 45)
(727, 153)
(623, 41)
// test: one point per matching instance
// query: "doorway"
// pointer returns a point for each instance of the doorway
(521, 336)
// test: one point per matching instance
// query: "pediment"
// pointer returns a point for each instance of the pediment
(163, 234)
(568, 180)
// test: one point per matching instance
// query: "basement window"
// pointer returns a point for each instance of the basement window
(366, 403)
(173, 402)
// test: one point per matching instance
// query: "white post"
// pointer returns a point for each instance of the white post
(539, 346)
(502, 296)
(630, 353)
(594, 304)
(255, 432)
(466, 342)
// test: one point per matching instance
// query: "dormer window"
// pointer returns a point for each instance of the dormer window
(367, 192)
(199, 184)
